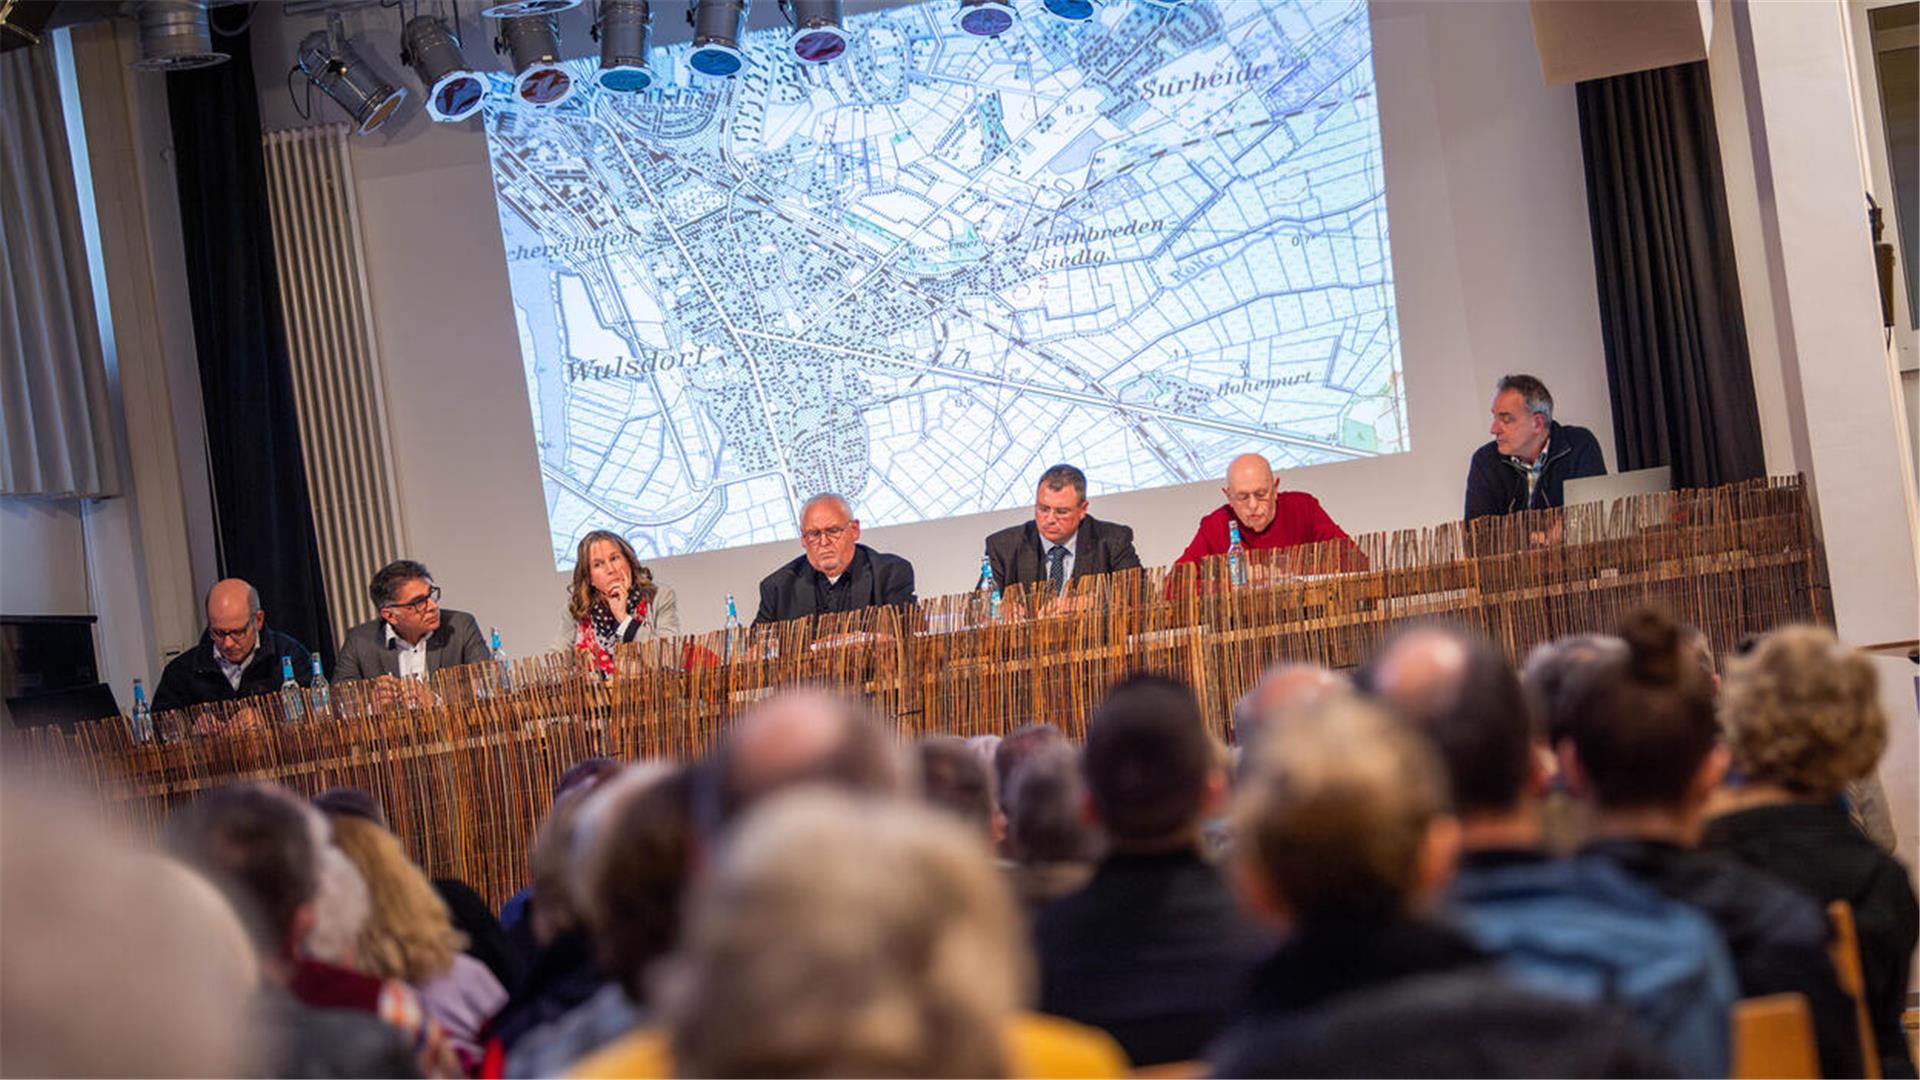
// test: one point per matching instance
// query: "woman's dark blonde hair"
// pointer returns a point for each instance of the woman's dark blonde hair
(409, 935)
(580, 593)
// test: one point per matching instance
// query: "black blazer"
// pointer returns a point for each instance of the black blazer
(194, 677)
(797, 590)
(1099, 547)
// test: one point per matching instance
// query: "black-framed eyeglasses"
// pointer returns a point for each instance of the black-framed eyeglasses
(828, 535)
(431, 596)
(238, 633)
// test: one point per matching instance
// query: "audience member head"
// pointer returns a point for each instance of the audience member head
(582, 777)
(341, 903)
(350, 802)
(118, 960)
(1060, 502)
(632, 861)
(255, 843)
(777, 978)
(1283, 688)
(234, 619)
(1802, 712)
(1151, 771)
(1343, 816)
(1023, 743)
(805, 734)
(985, 747)
(1459, 692)
(1045, 808)
(953, 778)
(606, 570)
(1553, 668)
(408, 936)
(1699, 650)
(1250, 489)
(407, 599)
(1640, 730)
(1522, 416)
(828, 532)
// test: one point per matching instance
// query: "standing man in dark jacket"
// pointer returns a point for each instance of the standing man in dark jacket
(239, 657)
(1063, 543)
(1531, 456)
(837, 573)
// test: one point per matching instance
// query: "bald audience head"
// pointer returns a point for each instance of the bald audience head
(802, 735)
(1249, 489)
(234, 618)
(1283, 689)
(1458, 691)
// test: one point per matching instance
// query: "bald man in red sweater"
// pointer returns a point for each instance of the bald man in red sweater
(1268, 518)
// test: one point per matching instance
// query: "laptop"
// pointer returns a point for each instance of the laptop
(1588, 489)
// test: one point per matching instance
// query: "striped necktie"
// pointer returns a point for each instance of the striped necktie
(1057, 567)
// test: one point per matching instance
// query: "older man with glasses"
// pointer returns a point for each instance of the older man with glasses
(412, 635)
(837, 573)
(239, 657)
(1266, 518)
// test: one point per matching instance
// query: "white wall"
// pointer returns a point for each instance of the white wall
(1492, 260)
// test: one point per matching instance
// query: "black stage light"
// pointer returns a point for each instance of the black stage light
(533, 45)
(513, 9)
(622, 30)
(985, 18)
(175, 36)
(343, 75)
(717, 25)
(817, 33)
(454, 88)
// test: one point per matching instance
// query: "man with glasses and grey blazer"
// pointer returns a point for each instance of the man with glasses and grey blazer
(413, 635)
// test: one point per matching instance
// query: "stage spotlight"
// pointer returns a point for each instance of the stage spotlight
(622, 32)
(716, 36)
(339, 71)
(454, 88)
(1070, 10)
(174, 36)
(817, 36)
(514, 9)
(985, 18)
(534, 47)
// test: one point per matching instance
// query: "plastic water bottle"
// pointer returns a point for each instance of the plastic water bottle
(990, 587)
(140, 721)
(318, 690)
(732, 626)
(498, 653)
(1236, 555)
(296, 709)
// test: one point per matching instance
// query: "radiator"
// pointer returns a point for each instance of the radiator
(337, 375)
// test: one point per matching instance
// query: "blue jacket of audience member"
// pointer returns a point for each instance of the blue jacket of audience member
(1582, 929)
(1495, 486)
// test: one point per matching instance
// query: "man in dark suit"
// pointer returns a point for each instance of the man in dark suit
(837, 573)
(238, 658)
(1062, 543)
(413, 635)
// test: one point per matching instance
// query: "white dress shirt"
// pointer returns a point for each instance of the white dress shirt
(234, 671)
(413, 658)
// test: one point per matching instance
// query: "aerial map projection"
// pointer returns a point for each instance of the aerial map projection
(919, 275)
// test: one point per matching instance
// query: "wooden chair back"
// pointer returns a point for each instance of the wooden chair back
(1844, 950)
(1773, 1038)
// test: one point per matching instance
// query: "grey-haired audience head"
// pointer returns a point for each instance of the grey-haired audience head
(1459, 692)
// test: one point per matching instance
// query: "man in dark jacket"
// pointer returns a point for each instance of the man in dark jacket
(1153, 949)
(1063, 543)
(1343, 838)
(411, 635)
(837, 573)
(239, 657)
(1531, 456)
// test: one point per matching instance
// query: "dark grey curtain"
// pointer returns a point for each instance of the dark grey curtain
(56, 416)
(264, 515)
(1676, 341)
